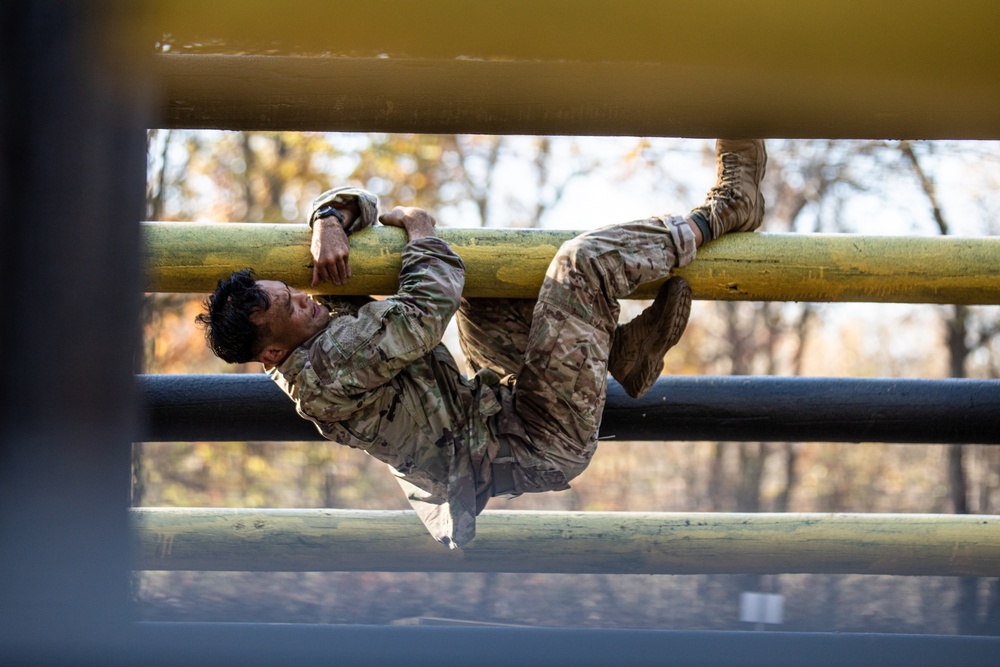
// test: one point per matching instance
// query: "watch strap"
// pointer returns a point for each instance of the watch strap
(326, 212)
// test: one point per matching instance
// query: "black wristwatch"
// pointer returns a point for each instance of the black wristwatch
(326, 211)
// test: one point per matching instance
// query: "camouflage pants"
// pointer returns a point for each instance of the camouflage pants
(557, 346)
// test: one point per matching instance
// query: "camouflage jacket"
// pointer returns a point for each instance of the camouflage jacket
(379, 379)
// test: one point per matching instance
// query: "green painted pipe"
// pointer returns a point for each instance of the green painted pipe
(570, 542)
(192, 257)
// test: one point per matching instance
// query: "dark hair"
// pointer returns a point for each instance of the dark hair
(229, 331)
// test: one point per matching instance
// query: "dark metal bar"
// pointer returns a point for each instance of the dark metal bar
(782, 409)
(357, 645)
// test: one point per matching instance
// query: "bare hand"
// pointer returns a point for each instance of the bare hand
(330, 249)
(417, 222)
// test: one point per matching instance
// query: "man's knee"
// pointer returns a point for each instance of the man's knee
(590, 262)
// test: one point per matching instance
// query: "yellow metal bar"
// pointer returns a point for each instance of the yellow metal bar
(192, 257)
(253, 92)
(908, 36)
(607, 542)
(777, 68)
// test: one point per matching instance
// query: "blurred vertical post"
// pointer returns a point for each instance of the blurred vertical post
(72, 146)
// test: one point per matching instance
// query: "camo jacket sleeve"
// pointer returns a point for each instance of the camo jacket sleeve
(377, 379)
(367, 206)
(356, 355)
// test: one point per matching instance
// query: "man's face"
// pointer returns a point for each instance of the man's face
(292, 318)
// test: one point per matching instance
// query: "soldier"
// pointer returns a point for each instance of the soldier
(374, 375)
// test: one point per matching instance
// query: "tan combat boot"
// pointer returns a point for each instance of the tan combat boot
(638, 347)
(735, 203)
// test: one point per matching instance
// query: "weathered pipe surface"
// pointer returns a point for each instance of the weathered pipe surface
(597, 542)
(192, 257)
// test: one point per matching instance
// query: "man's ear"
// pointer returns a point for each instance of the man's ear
(271, 355)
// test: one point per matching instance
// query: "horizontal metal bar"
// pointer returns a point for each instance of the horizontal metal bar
(192, 257)
(254, 644)
(848, 69)
(908, 37)
(569, 542)
(760, 408)
(557, 98)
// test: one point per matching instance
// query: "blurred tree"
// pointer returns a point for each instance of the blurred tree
(964, 335)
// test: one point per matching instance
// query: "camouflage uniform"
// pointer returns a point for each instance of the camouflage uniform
(378, 378)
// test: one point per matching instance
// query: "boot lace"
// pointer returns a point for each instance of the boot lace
(726, 189)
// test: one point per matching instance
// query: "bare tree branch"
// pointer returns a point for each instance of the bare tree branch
(927, 185)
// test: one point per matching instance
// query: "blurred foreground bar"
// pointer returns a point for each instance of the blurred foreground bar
(258, 644)
(569, 542)
(730, 408)
(912, 69)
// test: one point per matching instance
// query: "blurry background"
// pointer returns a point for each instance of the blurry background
(866, 187)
